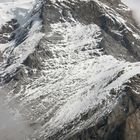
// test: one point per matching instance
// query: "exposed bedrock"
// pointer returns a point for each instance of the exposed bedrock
(123, 123)
(7, 31)
(118, 40)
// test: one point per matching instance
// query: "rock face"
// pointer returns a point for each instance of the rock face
(79, 79)
(7, 31)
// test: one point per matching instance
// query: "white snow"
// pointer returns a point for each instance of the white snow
(18, 9)
(75, 81)
(12, 124)
(89, 81)
(20, 52)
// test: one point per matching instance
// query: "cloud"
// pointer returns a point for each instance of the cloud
(135, 6)
(12, 125)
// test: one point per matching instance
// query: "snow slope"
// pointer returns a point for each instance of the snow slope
(26, 39)
(74, 81)
(27, 36)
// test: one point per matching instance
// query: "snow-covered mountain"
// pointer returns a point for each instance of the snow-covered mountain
(71, 68)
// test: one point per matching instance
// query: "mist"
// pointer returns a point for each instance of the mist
(135, 7)
(12, 125)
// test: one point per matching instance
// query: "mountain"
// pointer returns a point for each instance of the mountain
(71, 68)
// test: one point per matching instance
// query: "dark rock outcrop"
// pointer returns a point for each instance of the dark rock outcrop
(7, 31)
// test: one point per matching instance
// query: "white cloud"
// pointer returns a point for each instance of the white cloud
(135, 6)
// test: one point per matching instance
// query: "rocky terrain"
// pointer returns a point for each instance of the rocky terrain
(72, 70)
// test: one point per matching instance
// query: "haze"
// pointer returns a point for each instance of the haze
(135, 6)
